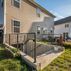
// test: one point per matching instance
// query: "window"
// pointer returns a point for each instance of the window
(38, 29)
(65, 35)
(45, 31)
(16, 3)
(16, 26)
(66, 25)
(38, 12)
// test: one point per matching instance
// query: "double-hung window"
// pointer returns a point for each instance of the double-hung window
(38, 30)
(66, 25)
(16, 3)
(16, 26)
(38, 12)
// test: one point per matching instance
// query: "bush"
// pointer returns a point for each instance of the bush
(67, 45)
(51, 39)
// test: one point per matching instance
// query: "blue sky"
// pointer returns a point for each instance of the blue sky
(60, 8)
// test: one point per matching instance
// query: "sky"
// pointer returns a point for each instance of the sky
(1, 14)
(60, 8)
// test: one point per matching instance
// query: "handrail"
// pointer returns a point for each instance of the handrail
(35, 47)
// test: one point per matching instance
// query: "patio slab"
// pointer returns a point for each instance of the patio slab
(46, 58)
(42, 60)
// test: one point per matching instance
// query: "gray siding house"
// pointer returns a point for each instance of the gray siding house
(63, 26)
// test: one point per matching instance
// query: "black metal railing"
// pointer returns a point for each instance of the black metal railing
(26, 42)
(23, 41)
(50, 38)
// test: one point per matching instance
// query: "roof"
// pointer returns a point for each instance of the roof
(41, 8)
(62, 21)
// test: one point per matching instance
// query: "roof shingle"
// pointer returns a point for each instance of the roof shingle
(62, 21)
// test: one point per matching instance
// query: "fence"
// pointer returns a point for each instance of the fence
(23, 41)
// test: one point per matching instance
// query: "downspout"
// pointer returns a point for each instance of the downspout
(4, 21)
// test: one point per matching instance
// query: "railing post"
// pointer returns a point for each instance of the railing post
(17, 41)
(26, 38)
(9, 39)
(34, 48)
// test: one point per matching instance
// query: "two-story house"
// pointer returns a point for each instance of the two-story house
(18, 16)
(63, 26)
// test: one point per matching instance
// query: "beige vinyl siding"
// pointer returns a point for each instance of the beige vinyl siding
(26, 14)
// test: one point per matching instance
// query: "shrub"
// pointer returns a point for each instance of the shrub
(67, 45)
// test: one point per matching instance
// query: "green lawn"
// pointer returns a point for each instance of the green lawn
(10, 64)
(62, 63)
(68, 43)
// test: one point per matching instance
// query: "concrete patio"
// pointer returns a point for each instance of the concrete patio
(42, 59)
(45, 58)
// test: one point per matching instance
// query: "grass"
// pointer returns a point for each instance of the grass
(62, 63)
(42, 42)
(10, 64)
(69, 43)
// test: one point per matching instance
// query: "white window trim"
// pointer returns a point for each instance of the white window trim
(38, 11)
(38, 28)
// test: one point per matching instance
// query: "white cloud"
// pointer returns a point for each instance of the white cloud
(58, 16)
(65, 10)
(62, 11)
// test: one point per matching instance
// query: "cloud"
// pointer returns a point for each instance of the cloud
(65, 10)
(62, 11)
(58, 16)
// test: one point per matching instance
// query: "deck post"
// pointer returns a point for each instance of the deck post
(34, 48)
(9, 39)
(17, 41)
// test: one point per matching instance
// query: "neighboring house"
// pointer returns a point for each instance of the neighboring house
(63, 26)
(20, 15)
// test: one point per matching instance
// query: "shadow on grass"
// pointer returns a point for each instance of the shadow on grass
(3, 55)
